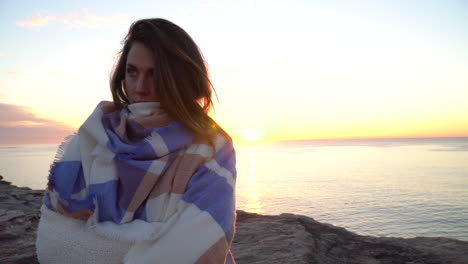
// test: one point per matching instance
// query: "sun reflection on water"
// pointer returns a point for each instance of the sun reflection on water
(253, 203)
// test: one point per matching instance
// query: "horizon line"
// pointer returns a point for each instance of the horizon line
(282, 140)
(370, 138)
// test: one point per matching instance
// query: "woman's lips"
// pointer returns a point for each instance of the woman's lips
(140, 100)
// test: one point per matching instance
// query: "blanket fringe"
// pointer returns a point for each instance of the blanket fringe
(63, 147)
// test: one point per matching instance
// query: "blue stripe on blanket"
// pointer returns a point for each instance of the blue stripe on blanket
(109, 210)
(106, 194)
(72, 205)
(230, 233)
(227, 156)
(67, 177)
(175, 136)
(133, 129)
(130, 173)
(213, 194)
(111, 120)
(141, 213)
(121, 149)
(136, 132)
(78, 205)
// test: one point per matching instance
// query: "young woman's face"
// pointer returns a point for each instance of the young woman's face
(139, 77)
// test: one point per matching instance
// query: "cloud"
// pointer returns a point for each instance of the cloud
(35, 21)
(2, 54)
(18, 125)
(77, 19)
(15, 113)
(18, 73)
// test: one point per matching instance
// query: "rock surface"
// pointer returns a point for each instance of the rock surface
(286, 238)
(289, 238)
(19, 215)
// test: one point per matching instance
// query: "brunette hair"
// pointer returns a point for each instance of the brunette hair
(180, 74)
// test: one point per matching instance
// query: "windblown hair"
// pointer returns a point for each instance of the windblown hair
(180, 74)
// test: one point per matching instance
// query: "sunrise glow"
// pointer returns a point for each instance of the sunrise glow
(329, 69)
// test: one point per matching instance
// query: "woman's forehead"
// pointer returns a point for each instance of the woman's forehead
(140, 56)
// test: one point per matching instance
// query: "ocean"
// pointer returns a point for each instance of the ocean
(379, 187)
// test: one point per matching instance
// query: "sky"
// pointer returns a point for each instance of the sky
(282, 70)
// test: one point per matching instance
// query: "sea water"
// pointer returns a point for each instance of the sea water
(385, 187)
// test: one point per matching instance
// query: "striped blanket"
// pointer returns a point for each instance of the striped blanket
(137, 176)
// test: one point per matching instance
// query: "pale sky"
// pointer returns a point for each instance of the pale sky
(282, 69)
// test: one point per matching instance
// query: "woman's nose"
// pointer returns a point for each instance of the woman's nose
(141, 86)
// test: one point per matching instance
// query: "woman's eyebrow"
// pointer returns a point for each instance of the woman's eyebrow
(129, 65)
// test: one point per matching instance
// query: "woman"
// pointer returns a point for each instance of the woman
(150, 177)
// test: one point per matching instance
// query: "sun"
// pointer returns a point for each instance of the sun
(250, 135)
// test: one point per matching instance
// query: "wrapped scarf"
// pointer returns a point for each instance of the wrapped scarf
(137, 176)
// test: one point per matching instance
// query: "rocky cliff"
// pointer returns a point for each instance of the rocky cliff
(286, 238)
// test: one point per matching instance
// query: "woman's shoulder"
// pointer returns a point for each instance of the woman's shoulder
(222, 140)
(217, 146)
(106, 107)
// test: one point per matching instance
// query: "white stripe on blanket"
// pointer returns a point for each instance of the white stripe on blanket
(157, 142)
(70, 142)
(128, 217)
(162, 207)
(137, 230)
(103, 166)
(200, 149)
(157, 166)
(91, 133)
(79, 195)
(219, 142)
(214, 166)
(94, 128)
(62, 238)
(189, 238)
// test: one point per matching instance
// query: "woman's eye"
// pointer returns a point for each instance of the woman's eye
(131, 72)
